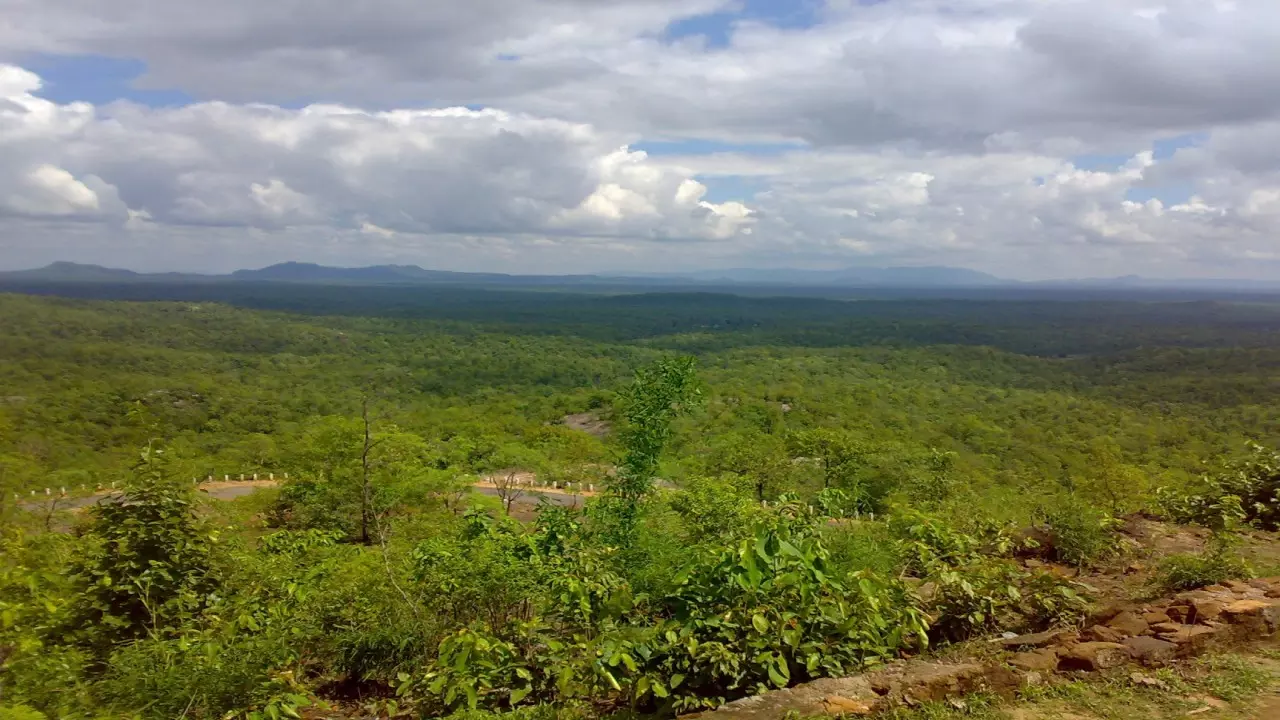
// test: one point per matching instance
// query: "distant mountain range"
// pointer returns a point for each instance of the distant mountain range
(888, 277)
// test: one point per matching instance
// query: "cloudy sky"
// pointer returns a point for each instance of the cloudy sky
(1028, 138)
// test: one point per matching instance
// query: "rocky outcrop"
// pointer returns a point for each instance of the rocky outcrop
(1149, 634)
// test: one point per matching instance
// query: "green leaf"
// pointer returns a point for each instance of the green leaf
(761, 625)
(518, 694)
(676, 679)
(613, 682)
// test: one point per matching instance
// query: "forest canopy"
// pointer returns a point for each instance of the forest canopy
(760, 485)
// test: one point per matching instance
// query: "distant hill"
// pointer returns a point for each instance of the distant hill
(844, 277)
(904, 278)
(77, 272)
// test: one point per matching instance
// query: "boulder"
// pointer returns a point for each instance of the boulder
(1101, 633)
(1093, 656)
(1191, 639)
(1156, 616)
(1128, 623)
(1258, 616)
(1178, 613)
(1206, 609)
(1151, 651)
(917, 683)
(1045, 660)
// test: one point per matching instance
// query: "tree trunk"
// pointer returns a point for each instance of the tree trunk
(364, 469)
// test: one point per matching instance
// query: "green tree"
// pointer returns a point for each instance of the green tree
(761, 460)
(658, 395)
(149, 562)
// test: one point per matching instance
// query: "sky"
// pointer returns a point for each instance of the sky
(1032, 139)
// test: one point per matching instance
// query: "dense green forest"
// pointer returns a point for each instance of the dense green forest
(777, 475)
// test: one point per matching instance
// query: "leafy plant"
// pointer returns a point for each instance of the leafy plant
(1248, 491)
(1081, 534)
(148, 563)
(1220, 561)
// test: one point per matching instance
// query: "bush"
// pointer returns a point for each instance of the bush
(765, 611)
(991, 594)
(1081, 534)
(1220, 561)
(1248, 491)
(148, 566)
(926, 543)
(862, 546)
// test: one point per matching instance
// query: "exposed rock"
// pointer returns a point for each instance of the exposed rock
(1178, 613)
(1259, 616)
(1191, 639)
(1101, 633)
(840, 705)
(1040, 639)
(1156, 616)
(1128, 623)
(1045, 660)
(1033, 679)
(1093, 656)
(807, 699)
(1206, 609)
(1167, 627)
(1151, 651)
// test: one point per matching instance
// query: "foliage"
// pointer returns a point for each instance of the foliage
(147, 566)
(994, 594)
(767, 611)
(1080, 534)
(976, 587)
(19, 712)
(1248, 491)
(714, 508)
(1220, 561)
(898, 445)
(654, 399)
(927, 542)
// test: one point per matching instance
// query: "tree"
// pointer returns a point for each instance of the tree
(658, 395)
(760, 459)
(353, 476)
(508, 469)
(838, 454)
(151, 558)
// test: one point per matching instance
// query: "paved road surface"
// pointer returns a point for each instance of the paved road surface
(533, 496)
(231, 491)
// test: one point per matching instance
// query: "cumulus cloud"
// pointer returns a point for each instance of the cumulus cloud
(929, 131)
(427, 171)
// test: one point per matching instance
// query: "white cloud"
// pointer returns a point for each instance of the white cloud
(427, 172)
(933, 131)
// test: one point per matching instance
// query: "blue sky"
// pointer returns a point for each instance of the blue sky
(97, 79)
(716, 28)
